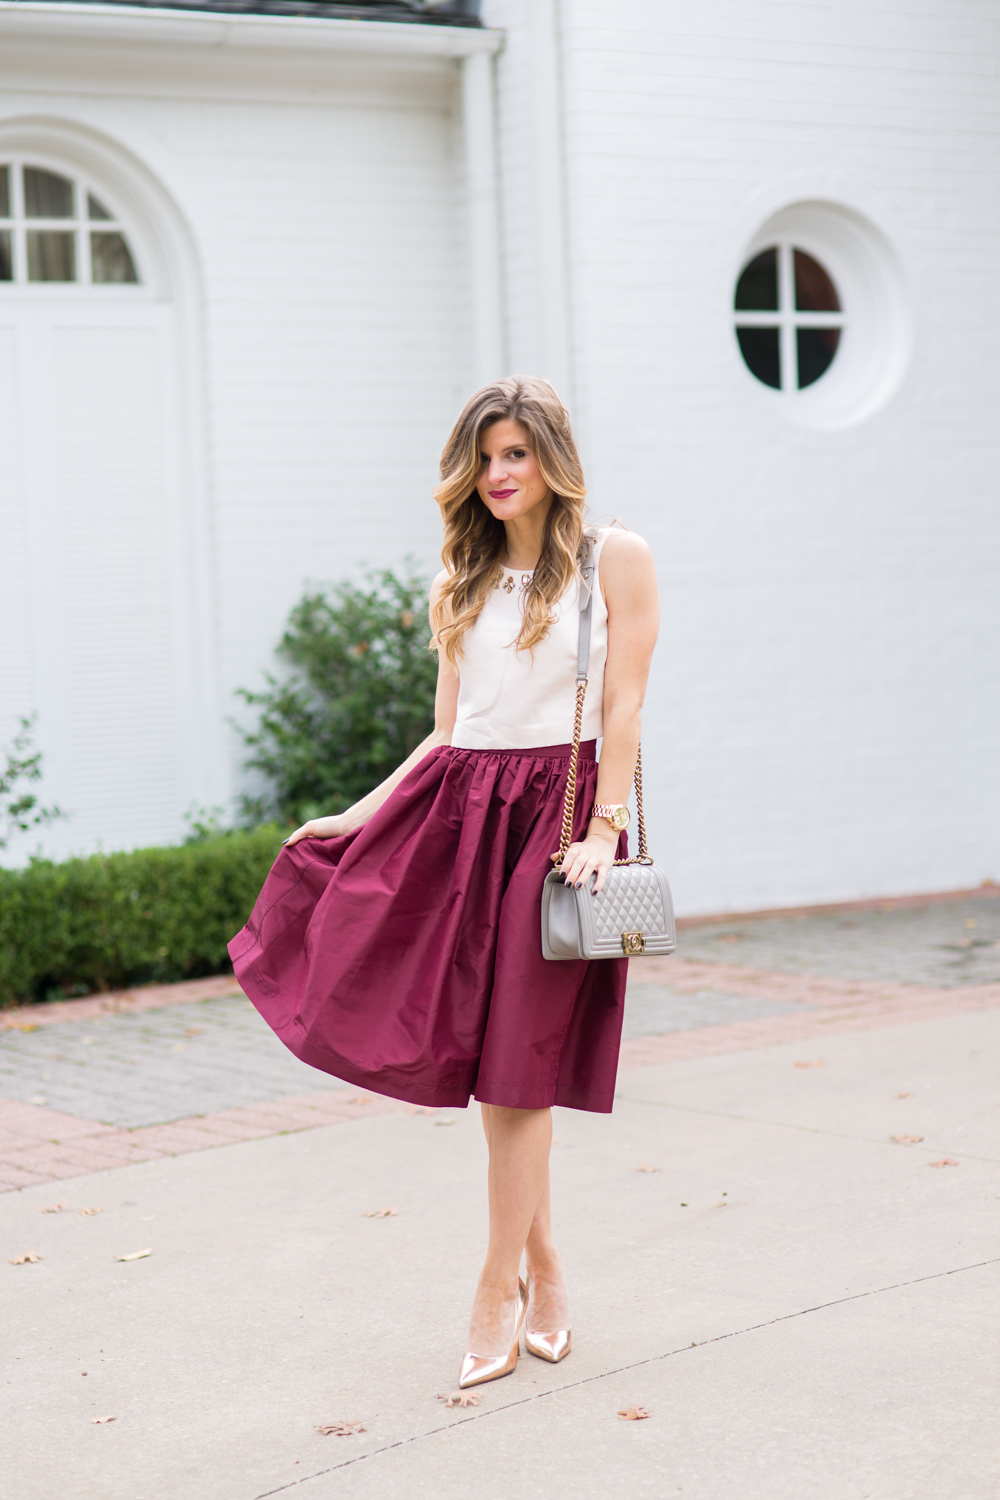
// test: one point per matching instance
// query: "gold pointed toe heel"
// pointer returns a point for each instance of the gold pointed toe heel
(550, 1346)
(478, 1368)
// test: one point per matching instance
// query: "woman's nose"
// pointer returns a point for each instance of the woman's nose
(497, 470)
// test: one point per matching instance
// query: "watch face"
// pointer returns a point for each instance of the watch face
(619, 818)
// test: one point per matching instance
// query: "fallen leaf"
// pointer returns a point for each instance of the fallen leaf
(358, 1099)
(26, 1026)
(88, 1213)
(634, 1414)
(379, 1213)
(27, 1259)
(645, 1167)
(420, 1109)
(54, 1208)
(450, 1121)
(195, 1031)
(135, 1255)
(461, 1398)
(946, 1161)
(104, 1419)
(907, 1140)
(818, 1063)
(38, 1099)
(904, 1095)
(340, 1429)
(972, 922)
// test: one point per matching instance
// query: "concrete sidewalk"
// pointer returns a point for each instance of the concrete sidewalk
(806, 1306)
(786, 1250)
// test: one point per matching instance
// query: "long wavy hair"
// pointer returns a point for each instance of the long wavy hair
(475, 541)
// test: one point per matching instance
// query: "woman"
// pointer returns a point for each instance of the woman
(397, 945)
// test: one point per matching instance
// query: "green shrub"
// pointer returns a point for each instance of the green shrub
(119, 919)
(360, 700)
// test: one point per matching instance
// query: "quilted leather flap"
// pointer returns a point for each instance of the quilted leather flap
(635, 898)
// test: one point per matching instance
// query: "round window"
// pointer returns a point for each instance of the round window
(820, 315)
(788, 317)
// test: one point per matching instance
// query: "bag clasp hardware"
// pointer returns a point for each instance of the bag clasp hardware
(633, 943)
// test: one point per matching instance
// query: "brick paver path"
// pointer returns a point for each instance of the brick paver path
(141, 1069)
(40, 1145)
(108, 1080)
(943, 944)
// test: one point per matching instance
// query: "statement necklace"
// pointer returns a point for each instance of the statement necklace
(508, 583)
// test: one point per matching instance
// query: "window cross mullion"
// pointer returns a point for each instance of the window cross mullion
(784, 346)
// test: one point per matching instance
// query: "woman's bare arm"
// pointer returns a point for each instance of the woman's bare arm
(628, 582)
(445, 707)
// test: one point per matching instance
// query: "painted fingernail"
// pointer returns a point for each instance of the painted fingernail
(579, 884)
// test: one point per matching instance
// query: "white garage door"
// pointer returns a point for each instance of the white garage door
(92, 603)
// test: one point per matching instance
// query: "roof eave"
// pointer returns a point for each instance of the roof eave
(38, 20)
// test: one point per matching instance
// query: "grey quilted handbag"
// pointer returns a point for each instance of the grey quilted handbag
(632, 914)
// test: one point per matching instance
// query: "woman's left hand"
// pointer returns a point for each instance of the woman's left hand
(594, 852)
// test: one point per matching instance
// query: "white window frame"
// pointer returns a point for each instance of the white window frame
(876, 342)
(80, 225)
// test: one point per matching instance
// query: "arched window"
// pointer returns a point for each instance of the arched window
(788, 317)
(57, 229)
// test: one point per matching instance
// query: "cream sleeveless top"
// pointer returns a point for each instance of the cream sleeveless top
(511, 699)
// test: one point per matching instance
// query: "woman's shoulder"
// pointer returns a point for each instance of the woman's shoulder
(438, 608)
(438, 582)
(619, 546)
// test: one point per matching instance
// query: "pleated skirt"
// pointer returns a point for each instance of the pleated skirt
(406, 957)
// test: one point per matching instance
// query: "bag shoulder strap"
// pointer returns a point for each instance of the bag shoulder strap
(586, 596)
(586, 615)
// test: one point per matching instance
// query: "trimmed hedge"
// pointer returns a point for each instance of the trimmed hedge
(118, 919)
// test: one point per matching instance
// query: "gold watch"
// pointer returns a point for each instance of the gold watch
(616, 813)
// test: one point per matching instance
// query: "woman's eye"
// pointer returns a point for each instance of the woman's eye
(519, 453)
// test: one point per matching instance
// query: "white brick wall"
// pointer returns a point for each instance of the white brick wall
(823, 719)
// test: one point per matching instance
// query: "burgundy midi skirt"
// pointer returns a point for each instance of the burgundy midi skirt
(407, 958)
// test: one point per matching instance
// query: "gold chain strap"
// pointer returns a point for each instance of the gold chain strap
(569, 800)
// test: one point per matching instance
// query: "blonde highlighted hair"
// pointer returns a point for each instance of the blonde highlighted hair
(475, 541)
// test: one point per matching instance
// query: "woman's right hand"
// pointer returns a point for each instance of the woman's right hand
(323, 828)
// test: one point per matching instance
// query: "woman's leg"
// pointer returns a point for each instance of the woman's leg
(548, 1310)
(519, 1141)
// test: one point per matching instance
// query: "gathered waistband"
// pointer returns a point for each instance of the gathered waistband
(588, 751)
